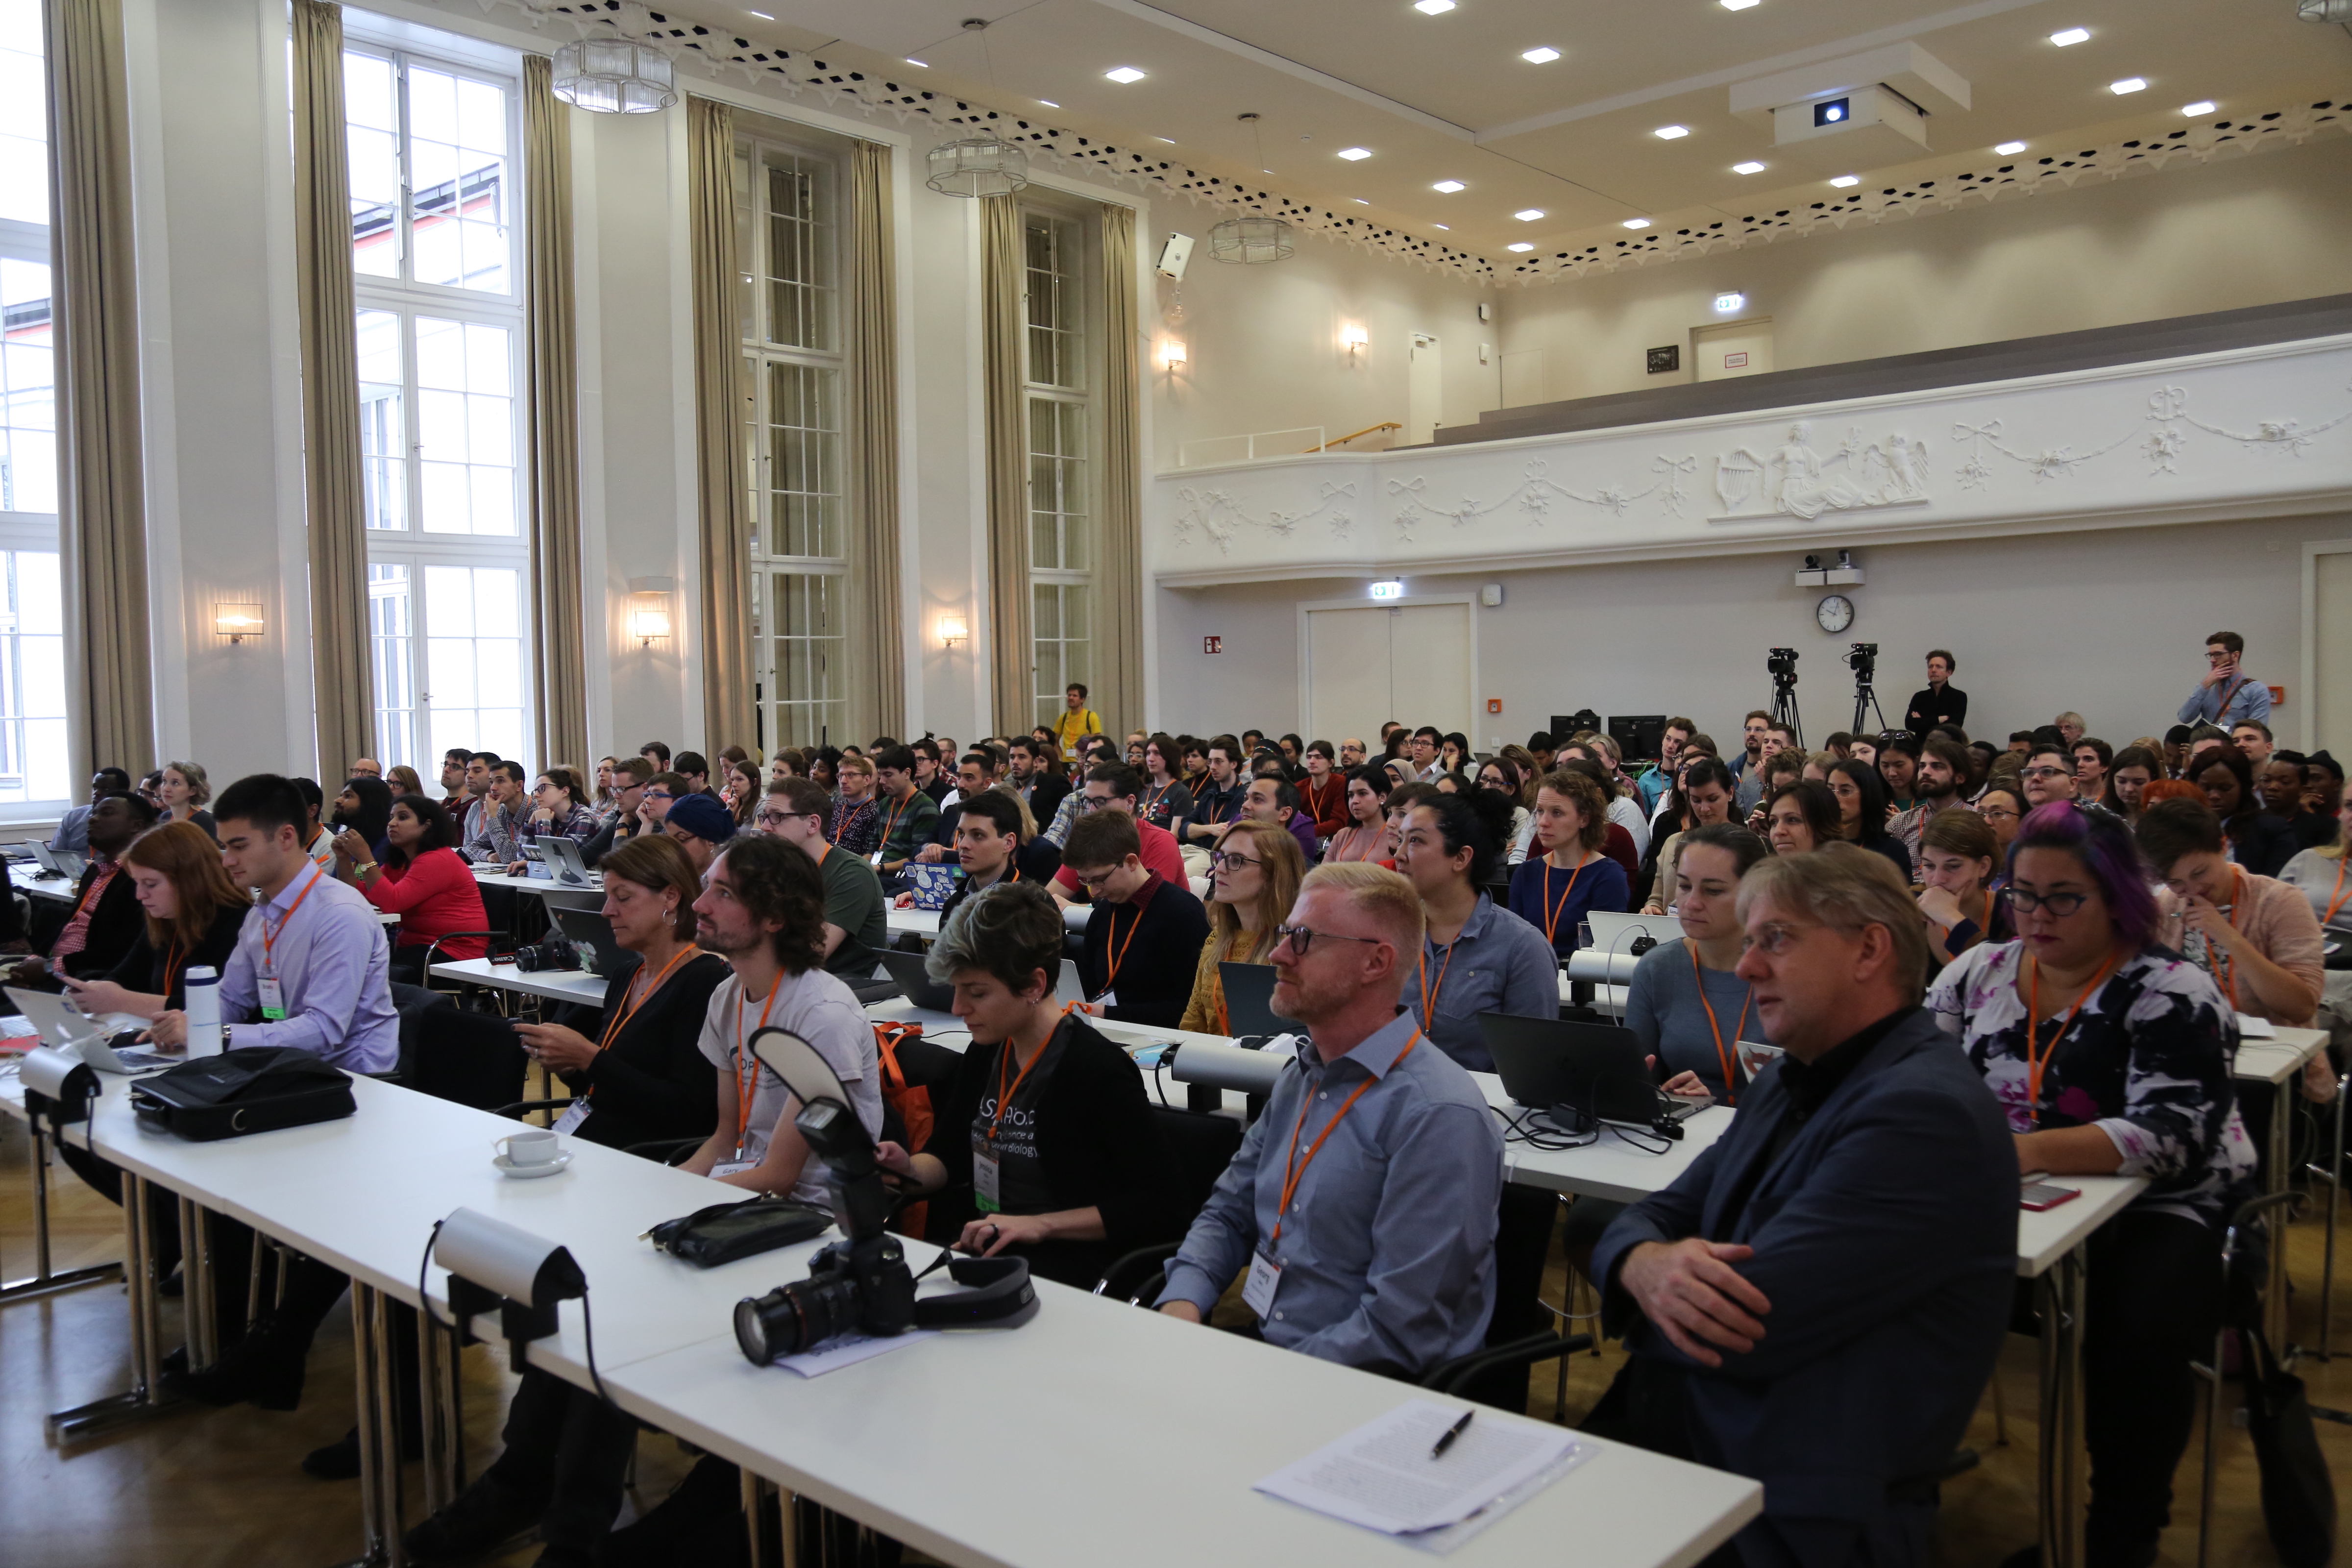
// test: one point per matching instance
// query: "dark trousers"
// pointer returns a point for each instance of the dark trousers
(2152, 1303)
(408, 964)
(567, 1452)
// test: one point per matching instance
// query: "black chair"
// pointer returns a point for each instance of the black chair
(470, 1059)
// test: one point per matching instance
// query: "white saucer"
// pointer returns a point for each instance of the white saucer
(514, 1172)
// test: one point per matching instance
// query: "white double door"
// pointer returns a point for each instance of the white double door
(1407, 662)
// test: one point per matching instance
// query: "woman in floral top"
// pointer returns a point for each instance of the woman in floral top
(2125, 1071)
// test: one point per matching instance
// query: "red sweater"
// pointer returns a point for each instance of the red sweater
(1328, 805)
(433, 895)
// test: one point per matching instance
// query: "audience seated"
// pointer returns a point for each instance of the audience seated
(856, 921)
(1167, 804)
(625, 821)
(106, 920)
(365, 807)
(857, 827)
(988, 843)
(1475, 956)
(2255, 936)
(1043, 1143)
(1366, 834)
(2279, 782)
(1898, 769)
(1863, 809)
(558, 809)
(2134, 768)
(1568, 874)
(1151, 985)
(1703, 794)
(1958, 853)
(1114, 786)
(1217, 802)
(1323, 793)
(1938, 786)
(73, 829)
(906, 813)
(2261, 843)
(700, 826)
(1801, 817)
(423, 879)
(2318, 876)
(1381, 1257)
(2111, 1054)
(497, 816)
(1253, 875)
(183, 793)
(1817, 1301)
(1686, 1005)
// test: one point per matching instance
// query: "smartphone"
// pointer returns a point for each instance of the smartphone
(2044, 1196)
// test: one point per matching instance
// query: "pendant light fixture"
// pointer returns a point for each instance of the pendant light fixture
(614, 76)
(983, 163)
(1255, 239)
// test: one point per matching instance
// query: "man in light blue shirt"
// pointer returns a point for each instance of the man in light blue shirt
(1653, 785)
(1368, 1237)
(2228, 695)
(310, 969)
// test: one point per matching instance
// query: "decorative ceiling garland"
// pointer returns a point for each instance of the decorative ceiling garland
(797, 71)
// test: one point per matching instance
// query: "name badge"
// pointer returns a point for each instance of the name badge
(273, 999)
(1108, 1000)
(728, 1167)
(986, 1180)
(1265, 1278)
(573, 1117)
(875, 859)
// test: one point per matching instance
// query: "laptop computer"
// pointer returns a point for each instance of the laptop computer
(588, 929)
(58, 862)
(100, 1041)
(1068, 988)
(1618, 934)
(915, 981)
(556, 898)
(1249, 999)
(561, 855)
(1596, 1068)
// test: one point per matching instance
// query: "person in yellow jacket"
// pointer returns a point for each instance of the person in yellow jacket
(1076, 721)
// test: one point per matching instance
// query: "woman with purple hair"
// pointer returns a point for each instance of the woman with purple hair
(2111, 1055)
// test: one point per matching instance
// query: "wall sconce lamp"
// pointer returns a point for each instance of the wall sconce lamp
(1353, 338)
(649, 612)
(238, 622)
(1172, 352)
(953, 630)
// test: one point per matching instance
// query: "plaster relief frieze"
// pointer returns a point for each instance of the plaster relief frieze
(1794, 480)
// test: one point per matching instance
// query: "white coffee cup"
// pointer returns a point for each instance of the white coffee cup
(531, 1146)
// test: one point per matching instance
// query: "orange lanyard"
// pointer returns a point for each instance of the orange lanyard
(1294, 1169)
(1004, 1095)
(170, 968)
(744, 1091)
(633, 1000)
(98, 889)
(1111, 979)
(1552, 911)
(2037, 1058)
(1428, 991)
(2225, 967)
(2335, 894)
(1722, 1057)
(2229, 696)
(846, 818)
(892, 825)
(1315, 798)
(269, 934)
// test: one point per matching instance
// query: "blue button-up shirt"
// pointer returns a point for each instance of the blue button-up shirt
(1499, 963)
(332, 969)
(2249, 698)
(1388, 1252)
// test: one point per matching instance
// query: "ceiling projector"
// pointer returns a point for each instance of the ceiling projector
(1852, 114)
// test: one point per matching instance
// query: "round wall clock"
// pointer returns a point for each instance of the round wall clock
(1835, 612)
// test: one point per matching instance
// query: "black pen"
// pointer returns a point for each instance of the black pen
(1445, 1438)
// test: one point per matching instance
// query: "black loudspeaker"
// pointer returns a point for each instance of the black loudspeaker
(1638, 735)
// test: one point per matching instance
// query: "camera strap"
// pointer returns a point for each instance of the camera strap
(1000, 1294)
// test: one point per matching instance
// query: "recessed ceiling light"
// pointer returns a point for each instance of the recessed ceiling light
(2202, 106)
(1355, 154)
(2129, 84)
(1637, 223)
(1750, 167)
(1432, 7)
(1124, 74)
(2071, 36)
(1843, 181)
(1049, 103)
(1448, 186)
(1528, 214)
(1670, 132)
(2006, 149)
(1359, 201)
(1741, 5)
(1541, 56)
(761, 15)
(913, 61)
(1170, 140)
(1446, 227)
(1522, 246)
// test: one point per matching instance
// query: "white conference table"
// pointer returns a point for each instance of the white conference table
(2279, 1063)
(913, 1442)
(553, 984)
(25, 877)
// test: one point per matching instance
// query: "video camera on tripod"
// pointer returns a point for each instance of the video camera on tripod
(1782, 664)
(861, 1282)
(1863, 660)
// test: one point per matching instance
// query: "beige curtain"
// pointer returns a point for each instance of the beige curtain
(102, 533)
(1012, 653)
(1118, 579)
(877, 660)
(717, 397)
(344, 692)
(559, 654)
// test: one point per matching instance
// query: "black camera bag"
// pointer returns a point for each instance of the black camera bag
(725, 1232)
(254, 1089)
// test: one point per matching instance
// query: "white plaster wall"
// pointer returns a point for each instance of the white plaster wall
(2247, 231)
(2110, 624)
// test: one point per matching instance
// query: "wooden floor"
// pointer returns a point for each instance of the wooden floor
(220, 1488)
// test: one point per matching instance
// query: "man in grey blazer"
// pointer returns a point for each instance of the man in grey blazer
(1818, 1300)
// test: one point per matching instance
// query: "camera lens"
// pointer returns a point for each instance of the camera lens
(792, 1317)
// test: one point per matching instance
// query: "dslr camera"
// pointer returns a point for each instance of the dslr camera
(555, 952)
(861, 1283)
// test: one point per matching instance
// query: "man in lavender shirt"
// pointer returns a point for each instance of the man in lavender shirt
(310, 968)
(310, 972)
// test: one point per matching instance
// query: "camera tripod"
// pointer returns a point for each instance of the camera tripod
(1784, 707)
(1865, 703)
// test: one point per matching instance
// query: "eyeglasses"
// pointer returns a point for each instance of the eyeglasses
(1301, 938)
(2059, 904)
(1992, 811)
(1777, 938)
(1095, 880)
(2045, 773)
(1233, 858)
(1101, 802)
(778, 818)
(660, 795)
